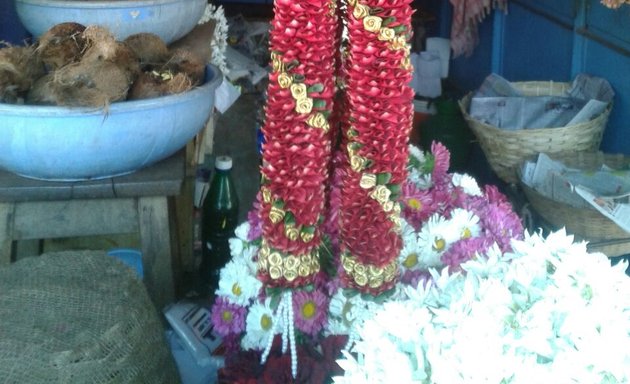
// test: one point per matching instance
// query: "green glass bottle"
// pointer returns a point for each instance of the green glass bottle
(219, 219)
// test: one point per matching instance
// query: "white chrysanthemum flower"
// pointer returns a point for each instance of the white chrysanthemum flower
(236, 246)
(491, 264)
(260, 325)
(237, 284)
(433, 241)
(409, 257)
(467, 183)
(417, 153)
(242, 230)
(465, 224)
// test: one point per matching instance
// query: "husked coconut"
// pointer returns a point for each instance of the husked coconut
(149, 47)
(20, 66)
(62, 44)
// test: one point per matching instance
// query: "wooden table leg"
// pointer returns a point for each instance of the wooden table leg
(7, 214)
(156, 249)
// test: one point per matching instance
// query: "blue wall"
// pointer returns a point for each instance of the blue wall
(11, 30)
(555, 40)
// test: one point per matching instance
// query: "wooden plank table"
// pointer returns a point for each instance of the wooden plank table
(134, 203)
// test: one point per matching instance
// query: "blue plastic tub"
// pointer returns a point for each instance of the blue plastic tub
(169, 19)
(67, 144)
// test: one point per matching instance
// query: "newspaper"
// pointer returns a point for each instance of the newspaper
(499, 103)
(607, 190)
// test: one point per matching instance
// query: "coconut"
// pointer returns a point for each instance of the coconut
(42, 92)
(62, 44)
(95, 84)
(185, 61)
(149, 47)
(20, 66)
(154, 84)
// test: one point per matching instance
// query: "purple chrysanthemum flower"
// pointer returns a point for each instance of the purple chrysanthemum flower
(253, 217)
(415, 277)
(227, 318)
(310, 311)
(502, 224)
(464, 250)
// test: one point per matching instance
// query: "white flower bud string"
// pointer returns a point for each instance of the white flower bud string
(284, 312)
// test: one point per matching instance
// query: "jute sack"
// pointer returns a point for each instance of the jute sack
(79, 317)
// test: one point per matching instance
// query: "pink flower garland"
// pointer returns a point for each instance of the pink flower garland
(377, 71)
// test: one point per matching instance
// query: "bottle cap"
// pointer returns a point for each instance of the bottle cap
(223, 163)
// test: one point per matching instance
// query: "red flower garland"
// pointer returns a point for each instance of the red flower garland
(296, 157)
(375, 141)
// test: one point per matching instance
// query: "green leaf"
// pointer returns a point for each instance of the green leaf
(326, 113)
(292, 64)
(275, 300)
(319, 103)
(278, 204)
(310, 229)
(298, 78)
(368, 164)
(289, 218)
(376, 10)
(387, 21)
(350, 293)
(399, 28)
(315, 88)
(383, 178)
(394, 188)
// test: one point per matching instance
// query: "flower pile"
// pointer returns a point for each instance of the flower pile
(614, 4)
(245, 313)
(547, 312)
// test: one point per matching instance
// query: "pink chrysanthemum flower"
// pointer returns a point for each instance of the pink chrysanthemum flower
(310, 311)
(418, 204)
(227, 318)
(502, 224)
(464, 250)
(253, 217)
(441, 162)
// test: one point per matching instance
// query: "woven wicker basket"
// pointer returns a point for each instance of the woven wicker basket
(506, 150)
(587, 223)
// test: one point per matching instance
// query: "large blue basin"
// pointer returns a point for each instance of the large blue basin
(63, 143)
(169, 19)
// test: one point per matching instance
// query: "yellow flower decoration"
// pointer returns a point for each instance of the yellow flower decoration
(372, 23)
(276, 214)
(357, 163)
(277, 64)
(304, 105)
(285, 80)
(386, 34)
(298, 91)
(360, 11)
(318, 120)
(306, 236)
(400, 42)
(266, 195)
(368, 181)
(291, 232)
(381, 194)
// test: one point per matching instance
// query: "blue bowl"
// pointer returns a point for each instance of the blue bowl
(169, 19)
(69, 144)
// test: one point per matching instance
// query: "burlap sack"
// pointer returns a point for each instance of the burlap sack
(79, 317)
